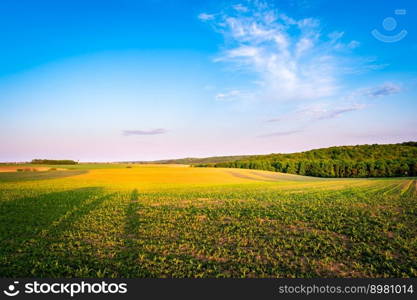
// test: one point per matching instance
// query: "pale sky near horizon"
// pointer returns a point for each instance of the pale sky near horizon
(146, 80)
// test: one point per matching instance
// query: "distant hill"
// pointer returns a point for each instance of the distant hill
(193, 160)
(375, 160)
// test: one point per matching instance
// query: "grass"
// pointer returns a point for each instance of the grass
(33, 175)
(171, 221)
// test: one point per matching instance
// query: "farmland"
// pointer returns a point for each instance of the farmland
(177, 221)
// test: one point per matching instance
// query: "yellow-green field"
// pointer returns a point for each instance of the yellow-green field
(178, 221)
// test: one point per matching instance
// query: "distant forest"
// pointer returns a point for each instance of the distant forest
(391, 160)
(53, 162)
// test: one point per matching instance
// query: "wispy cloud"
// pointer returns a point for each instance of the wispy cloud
(144, 132)
(354, 101)
(336, 40)
(240, 7)
(322, 111)
(384, 90)
(318, 112)
(290, 57)
(205, 17)
(233, 95)
(280, 133)
(353, 44)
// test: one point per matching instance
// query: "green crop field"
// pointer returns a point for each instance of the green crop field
(179, 221)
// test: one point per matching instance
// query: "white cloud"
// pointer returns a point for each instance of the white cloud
(291, 58)
(205, 17)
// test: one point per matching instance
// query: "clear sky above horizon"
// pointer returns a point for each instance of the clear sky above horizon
(144, 80)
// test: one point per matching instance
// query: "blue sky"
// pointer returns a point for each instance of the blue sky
(143, 80)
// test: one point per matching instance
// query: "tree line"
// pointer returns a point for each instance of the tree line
(392, 160)
(54, 162)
